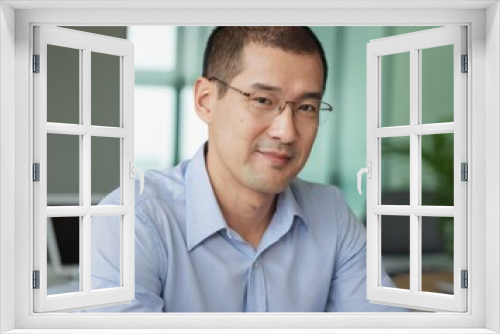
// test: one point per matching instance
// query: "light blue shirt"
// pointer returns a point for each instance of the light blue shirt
(311, 258)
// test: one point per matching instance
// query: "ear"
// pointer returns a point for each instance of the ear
(204, 95)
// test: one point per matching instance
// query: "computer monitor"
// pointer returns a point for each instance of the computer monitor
(63, 245)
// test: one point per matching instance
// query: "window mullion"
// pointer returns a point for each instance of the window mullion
(85, 162)
(80, 130)
(416, 118)
(83, 185)
(86, 251)
(420, 210)
(415, 256)
(420, 129)
(434, 129)
(86, 167)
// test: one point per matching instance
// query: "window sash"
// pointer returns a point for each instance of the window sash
(413, 43)
(86, 43)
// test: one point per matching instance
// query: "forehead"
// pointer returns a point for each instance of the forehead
(275, 66)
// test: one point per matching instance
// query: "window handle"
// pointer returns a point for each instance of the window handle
(367, 170)
(133, 170)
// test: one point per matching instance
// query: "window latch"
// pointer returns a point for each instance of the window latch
(133, 170)
(367, 170)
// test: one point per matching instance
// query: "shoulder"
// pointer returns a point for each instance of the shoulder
(164, 186)
(324, 206)
(310, 194)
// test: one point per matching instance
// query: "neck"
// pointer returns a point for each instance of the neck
(247, 216)
(246, 211)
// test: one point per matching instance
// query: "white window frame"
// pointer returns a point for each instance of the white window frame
(413, 44)
(483, 21)
(85, 43)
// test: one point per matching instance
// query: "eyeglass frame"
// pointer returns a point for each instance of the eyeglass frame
(281, 108)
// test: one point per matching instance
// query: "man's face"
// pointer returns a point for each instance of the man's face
(263, 154)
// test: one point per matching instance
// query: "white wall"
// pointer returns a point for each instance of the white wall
(492, 165)
(7, 163)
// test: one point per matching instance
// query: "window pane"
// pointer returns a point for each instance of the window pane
(395, 170)
(63, 254)
(395, 89)
(437, 276)
(154, 47)
(63, 85)
(437, 169)
(106, 252)
(105, 90)
(63, 170)
(154, 127)
(105, 166)
(194, 131)
(395, 249)
(437, 84)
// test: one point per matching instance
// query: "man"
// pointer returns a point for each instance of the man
(233, 229)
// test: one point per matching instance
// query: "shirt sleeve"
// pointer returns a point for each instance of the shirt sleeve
(348, 285)
(106, 263)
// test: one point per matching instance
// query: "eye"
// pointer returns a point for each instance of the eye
(263, 100)
(308, 108)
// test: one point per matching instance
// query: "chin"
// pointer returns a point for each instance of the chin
(274, 190)
(265, 181)
(269, 186)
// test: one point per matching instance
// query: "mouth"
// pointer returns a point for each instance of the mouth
(276, 158)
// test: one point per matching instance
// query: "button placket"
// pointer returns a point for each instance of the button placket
(257, 292)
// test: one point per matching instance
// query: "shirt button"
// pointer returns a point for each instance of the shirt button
(255, 265)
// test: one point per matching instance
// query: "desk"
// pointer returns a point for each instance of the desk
(433, 281)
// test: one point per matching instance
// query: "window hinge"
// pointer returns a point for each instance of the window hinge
(465, 279)
(36, 63)
(36, 279)
(465, 64)
(464, 171)
(36, 172)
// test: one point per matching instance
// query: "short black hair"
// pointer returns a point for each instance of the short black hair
(224, 49)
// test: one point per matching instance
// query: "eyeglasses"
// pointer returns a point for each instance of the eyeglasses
(267, 105)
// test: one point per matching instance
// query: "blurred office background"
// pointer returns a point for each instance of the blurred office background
(168, 60)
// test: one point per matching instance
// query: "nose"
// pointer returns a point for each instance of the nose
(283, 126)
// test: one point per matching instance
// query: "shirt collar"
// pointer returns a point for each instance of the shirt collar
(203, 214)
(288, 207)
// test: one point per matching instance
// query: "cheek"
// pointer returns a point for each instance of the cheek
(307, 144)
(233, 128)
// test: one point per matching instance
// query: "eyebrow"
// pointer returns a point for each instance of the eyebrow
(261, 86)
(308, 95)
(313, 95)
